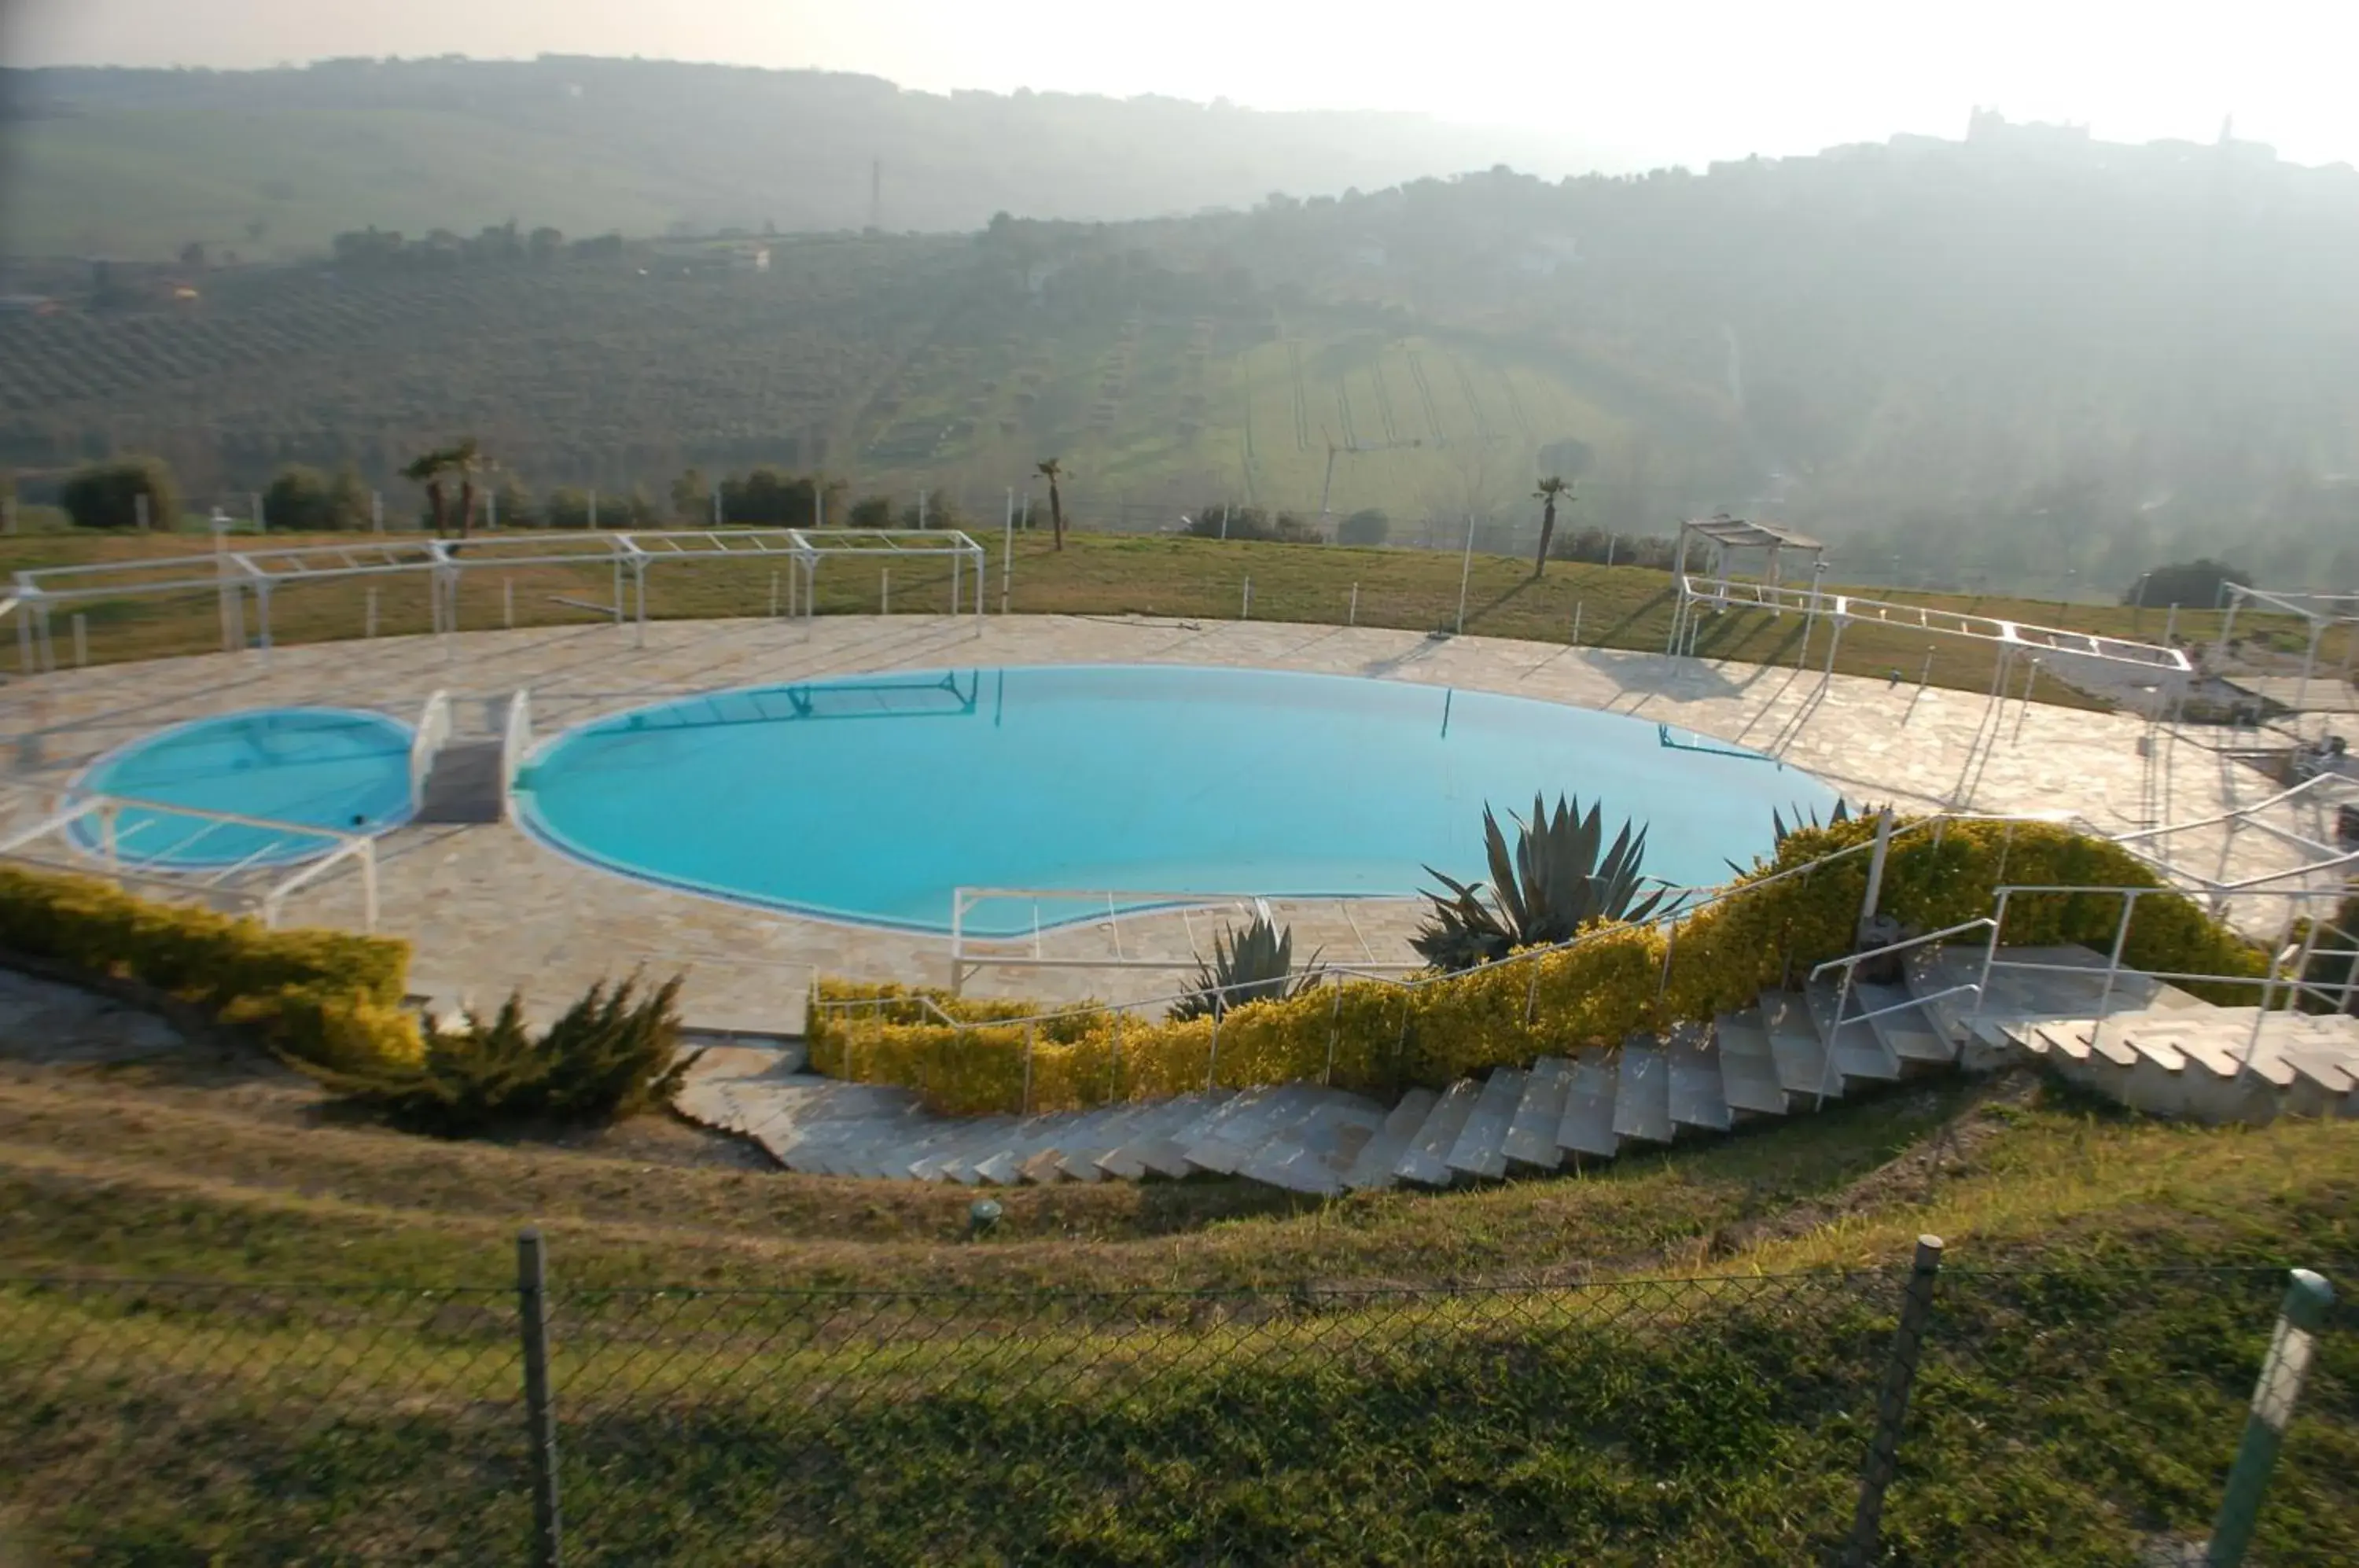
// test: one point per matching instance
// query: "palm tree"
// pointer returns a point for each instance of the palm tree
(1053, 470)
(1550, 490)
(467, 459)
(427, 469)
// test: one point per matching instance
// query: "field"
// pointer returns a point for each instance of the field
(1622, 607)
(589, 373)
(892, 364)
(1514, 1372)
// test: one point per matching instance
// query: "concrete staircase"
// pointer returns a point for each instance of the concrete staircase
(2159, 1050)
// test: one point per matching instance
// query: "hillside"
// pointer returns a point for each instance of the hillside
(274, 163)
(1391, 1377)
(2023, 362)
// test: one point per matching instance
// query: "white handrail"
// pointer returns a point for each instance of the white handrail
(426, 743)
(515, 742)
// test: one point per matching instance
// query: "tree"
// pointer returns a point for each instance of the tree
(545, 244)
(1369, 526)
(192, 255)
(568, 506)
(1053, 470)
(429, 469)
(467, 459)
(691, 496)
(2198, 584)
(297, 500)
(871, 512)
(107, 494)
(1550, 490)
(349, 503)
(304, 500)
(513, 504)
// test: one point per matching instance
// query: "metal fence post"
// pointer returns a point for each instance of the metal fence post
(539, 1412)
(1892, 1404)
(2304, 1313)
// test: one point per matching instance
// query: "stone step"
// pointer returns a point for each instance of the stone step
(1079, 1156)
(1858, 1052)
(1642, 1100)
(1480, 1150)
(1903, 1027)
(1426, 1160)
(1373, 1167)
(1794, 1044)
(1697, 1097)
(1748, 1067)
(1313, 1157)
(1531, 1132)
(1587, 1126)
(1931, 971)
(1151, 1146)
(2063, 1039)
(463, 784)
(1270, 1115)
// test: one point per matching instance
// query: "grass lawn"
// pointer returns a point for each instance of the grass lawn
(1621, 608)
(1307, 1396)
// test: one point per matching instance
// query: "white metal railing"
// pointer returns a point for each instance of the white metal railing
(213, 882)
(1689, 902)
(1848, 963)
(1726, 592)
(515, 744)
(2289, 963)
(426, 741)
(1114, 905)
(261, 568)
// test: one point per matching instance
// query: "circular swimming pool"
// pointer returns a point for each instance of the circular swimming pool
(329, 767)
(873, 799)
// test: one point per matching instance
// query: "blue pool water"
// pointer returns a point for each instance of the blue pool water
(873, 799)
(335, 767)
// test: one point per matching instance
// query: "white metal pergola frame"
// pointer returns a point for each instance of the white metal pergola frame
(261, 569)
(2011, 638)
(2323, 612)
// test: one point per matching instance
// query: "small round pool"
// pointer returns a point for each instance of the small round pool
(330, 767)
(875, 799)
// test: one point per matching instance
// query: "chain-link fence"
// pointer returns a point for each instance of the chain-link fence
(2065, 1415)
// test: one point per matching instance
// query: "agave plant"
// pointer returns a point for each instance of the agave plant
(1555, 882)
(1250, 965)
(1780, 832)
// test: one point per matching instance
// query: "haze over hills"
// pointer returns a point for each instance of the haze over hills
(2025, 359)
(273, 163)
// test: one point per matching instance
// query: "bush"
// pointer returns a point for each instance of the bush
(316, 996)
(304, 500)
(1381, 1037)
(2197, 584)
(612, 1054)
(106, 495)
(1370, 526)
(1223, 521)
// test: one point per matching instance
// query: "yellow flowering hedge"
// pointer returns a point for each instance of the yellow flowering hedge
(323, 997)
(1383, 1037)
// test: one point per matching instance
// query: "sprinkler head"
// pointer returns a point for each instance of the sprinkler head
(981, 1216)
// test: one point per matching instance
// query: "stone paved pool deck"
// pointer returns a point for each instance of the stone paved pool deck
(489, 908)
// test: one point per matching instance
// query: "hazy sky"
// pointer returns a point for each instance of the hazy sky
(1665, 80)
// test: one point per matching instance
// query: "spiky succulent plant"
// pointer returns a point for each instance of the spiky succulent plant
(1248, 965)
(1560, 876)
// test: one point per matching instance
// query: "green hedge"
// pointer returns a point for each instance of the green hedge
(1382, 1037)
(327, 998)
